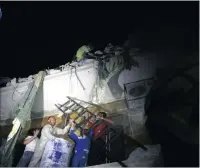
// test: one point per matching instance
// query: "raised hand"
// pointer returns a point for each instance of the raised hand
(72, 123)
(36, 132)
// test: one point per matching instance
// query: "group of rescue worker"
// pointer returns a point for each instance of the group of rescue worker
(87, 52)
(35, 146)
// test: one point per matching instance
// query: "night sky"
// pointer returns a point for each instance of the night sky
(38, 35)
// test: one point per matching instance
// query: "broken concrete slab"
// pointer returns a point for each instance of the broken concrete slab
(141, 158)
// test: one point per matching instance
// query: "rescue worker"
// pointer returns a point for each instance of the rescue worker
(30, 141)
(84, 52)
(101, 127)
(82, 146)
(99, 142)
(46, 135)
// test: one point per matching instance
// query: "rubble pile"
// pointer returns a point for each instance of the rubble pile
(108, 60)
(15, 81)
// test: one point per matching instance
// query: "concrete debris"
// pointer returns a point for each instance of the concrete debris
(14, 81)
(64, 67)
(117, 53)
(53, 71)
(98, 52)
(116, 50)
(108, 48)
(20, 80)
(30, 77)
(152, 157)
(74, 63)
(8, 84)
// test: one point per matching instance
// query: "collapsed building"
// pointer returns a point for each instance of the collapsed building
(98, 85)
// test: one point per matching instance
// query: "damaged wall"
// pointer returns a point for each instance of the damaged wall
(54, 90)
(10, 99)
(147, 68)
(56, 87)
(114, 86)
(59, 85)
(133, 120)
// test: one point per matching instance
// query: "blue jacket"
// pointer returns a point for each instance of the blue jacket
(82, 144)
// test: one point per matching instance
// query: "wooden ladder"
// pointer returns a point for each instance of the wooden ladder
(71, 106)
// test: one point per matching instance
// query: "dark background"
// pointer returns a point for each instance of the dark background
(38, 35)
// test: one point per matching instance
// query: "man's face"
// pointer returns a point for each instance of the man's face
(52, 121)
(100, 115)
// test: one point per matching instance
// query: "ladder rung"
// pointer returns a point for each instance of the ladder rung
(79, 104)
(59, 108)
(68, 111)
(78, 115)
(86, 120)
(82, 112)
(65, 103)
(71, 106)
(76, 108)
(66, 108)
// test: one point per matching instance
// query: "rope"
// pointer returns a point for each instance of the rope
(78, 77)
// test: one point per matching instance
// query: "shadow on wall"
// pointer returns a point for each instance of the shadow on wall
(179, 141)
(114, 86)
